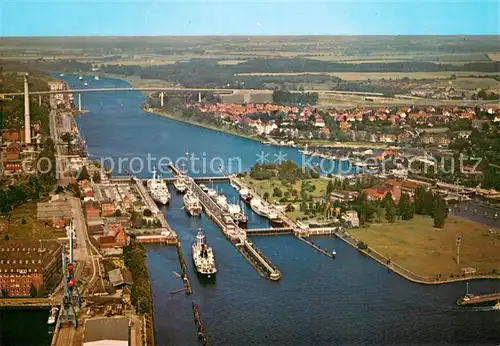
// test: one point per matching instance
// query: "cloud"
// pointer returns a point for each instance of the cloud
(259, 25)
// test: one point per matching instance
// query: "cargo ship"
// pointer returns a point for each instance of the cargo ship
(203, 256)
(192, 204)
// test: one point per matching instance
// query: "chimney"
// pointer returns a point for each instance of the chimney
(27, 123)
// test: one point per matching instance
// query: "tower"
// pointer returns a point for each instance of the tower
(27, 122)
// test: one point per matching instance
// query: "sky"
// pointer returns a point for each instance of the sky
(258, 17)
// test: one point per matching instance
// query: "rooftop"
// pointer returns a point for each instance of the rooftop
(99, 329)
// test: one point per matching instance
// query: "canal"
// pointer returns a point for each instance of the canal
(319, 301)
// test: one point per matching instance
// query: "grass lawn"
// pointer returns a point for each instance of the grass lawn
(427, 251)
(263, 186)
(33, 229)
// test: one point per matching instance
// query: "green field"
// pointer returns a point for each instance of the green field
(418, 247)
(263, 186)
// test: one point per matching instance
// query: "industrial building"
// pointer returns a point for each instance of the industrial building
(107, 332)
(24, 264)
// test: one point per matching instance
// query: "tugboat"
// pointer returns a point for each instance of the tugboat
(180, 184)
(245, 195)
(334, 253)
(274, 219)
(203, 256)
(53, 315)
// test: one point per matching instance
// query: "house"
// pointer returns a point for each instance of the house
(59, 223)
(338, 196)
(387, 138)
(319, 122)
(108, 208)
(12, 135)
(325, 132)
(120, 277)
(379, 192)
(351, 218)
(92, 213)
(113, 241)
(13, 152)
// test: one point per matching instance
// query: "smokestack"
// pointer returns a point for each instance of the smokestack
(27, 122)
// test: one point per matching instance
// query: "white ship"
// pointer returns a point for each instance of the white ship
(53, 315)
(158, 189)
(85, 83)
(203, 256)
(192, 204)
(180, 184)
(80, 78)
(233, 208)
(259, 208)
(96, 77)
(204, 188)
(221, 200)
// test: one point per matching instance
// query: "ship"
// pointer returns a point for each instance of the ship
(96, 77)
(259, 208)
(53, 315)
(180, 184)
(245, 195)
(80, 78)
(158, 189)
(192, 204)
(203, 256)
(204, 188)
(221, 201)
(274, 219)
(85, 83)
(497, 306)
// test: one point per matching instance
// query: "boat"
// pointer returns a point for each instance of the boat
(211, 193)
(96, 77)
(192, 204)
(497, 306)
(62, 75)
(80, 78)
(221, 201)
(53, 315)
(85, 83)
(334, 253)
(180, 184)
(204, 188)
(245, 195)
(203, 256)
(158, 189)
(233, 208)
(241, 219)
(274, 219)
(259, 208)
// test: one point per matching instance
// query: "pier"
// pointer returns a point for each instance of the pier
(317, 248)
(199, 325)
(187, 283)
(269, 231)
(231, 230)
(26, 303)
(474, 300)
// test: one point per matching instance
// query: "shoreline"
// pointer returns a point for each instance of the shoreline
(194, 123)
(408, 274)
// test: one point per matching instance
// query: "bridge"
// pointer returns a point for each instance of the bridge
(269, 231)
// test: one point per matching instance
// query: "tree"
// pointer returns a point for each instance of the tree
(440, 212)
(405, 207)
(147, 213)
(277, 192)
(419, 200)
(83, 174)
(96, 177)
(266, 195)
(33, 291)
(289, 208)
(117, 213)
(59, 189)
(329, 188)
(390, 208)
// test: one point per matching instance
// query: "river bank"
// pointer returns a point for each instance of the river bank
(241, 308)
(195, 123)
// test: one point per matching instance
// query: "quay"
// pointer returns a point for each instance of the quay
(199, 325)
(316, 247)
(231, 230)
(215, 179)
(474, 300)
(185, 279)
(43, 303)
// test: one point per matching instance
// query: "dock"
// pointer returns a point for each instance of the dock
(316, 247)
(23, 302)
(231, 230)
(185, 279)
(474, 300)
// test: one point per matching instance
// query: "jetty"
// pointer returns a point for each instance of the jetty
(231, 230)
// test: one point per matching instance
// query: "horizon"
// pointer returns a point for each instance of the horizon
(237, 18)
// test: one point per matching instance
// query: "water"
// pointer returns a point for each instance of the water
(319, 301)
(117, 128)
(21, 327)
